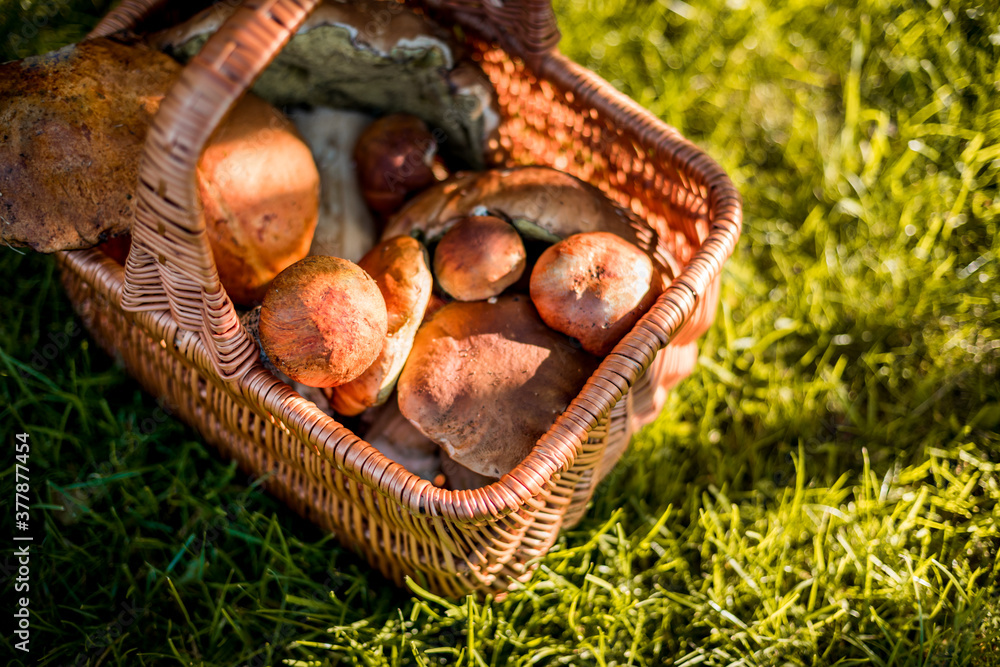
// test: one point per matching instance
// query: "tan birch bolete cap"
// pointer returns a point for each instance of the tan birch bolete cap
(478, 258)
(372, 56)
(594, 287)
(72, 127)
(323, 321)
(485, 380)
(259, 190)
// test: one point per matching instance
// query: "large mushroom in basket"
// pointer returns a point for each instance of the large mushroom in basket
(486, 379)
(73, 125)
(541, 202)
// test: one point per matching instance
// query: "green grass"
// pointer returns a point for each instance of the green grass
(823, 490)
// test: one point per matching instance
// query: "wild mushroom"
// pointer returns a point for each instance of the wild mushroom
(74, 124)
(259, 191)
(594, 287)
(485, 380)
(323, 321)
(368, 55)
(540, 202)
(478, 258)
(400, 268)
(394, 158)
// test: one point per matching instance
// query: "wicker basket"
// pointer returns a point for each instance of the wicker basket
(171, 322)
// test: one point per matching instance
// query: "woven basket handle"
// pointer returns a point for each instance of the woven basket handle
(171, 265)
(124, 16)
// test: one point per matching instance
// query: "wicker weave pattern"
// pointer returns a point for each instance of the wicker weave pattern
(172, 323)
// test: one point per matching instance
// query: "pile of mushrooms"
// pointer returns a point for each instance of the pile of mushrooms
(500, 305)
(540, 275)
(449, 311)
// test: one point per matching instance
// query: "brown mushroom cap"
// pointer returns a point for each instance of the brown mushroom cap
(394, 157)
(400, 268)
(594, 287)
(541, 202)
(72, 127)
(323, 321)
(259, 191)
(478, 258)
(486, 380)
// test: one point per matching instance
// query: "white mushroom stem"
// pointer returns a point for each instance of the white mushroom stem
(345, 227)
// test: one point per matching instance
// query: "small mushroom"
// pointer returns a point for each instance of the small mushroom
(486, 380)
(394, 158)
(323, 321)
(594, 287)
(478, 258)
(401, 271)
